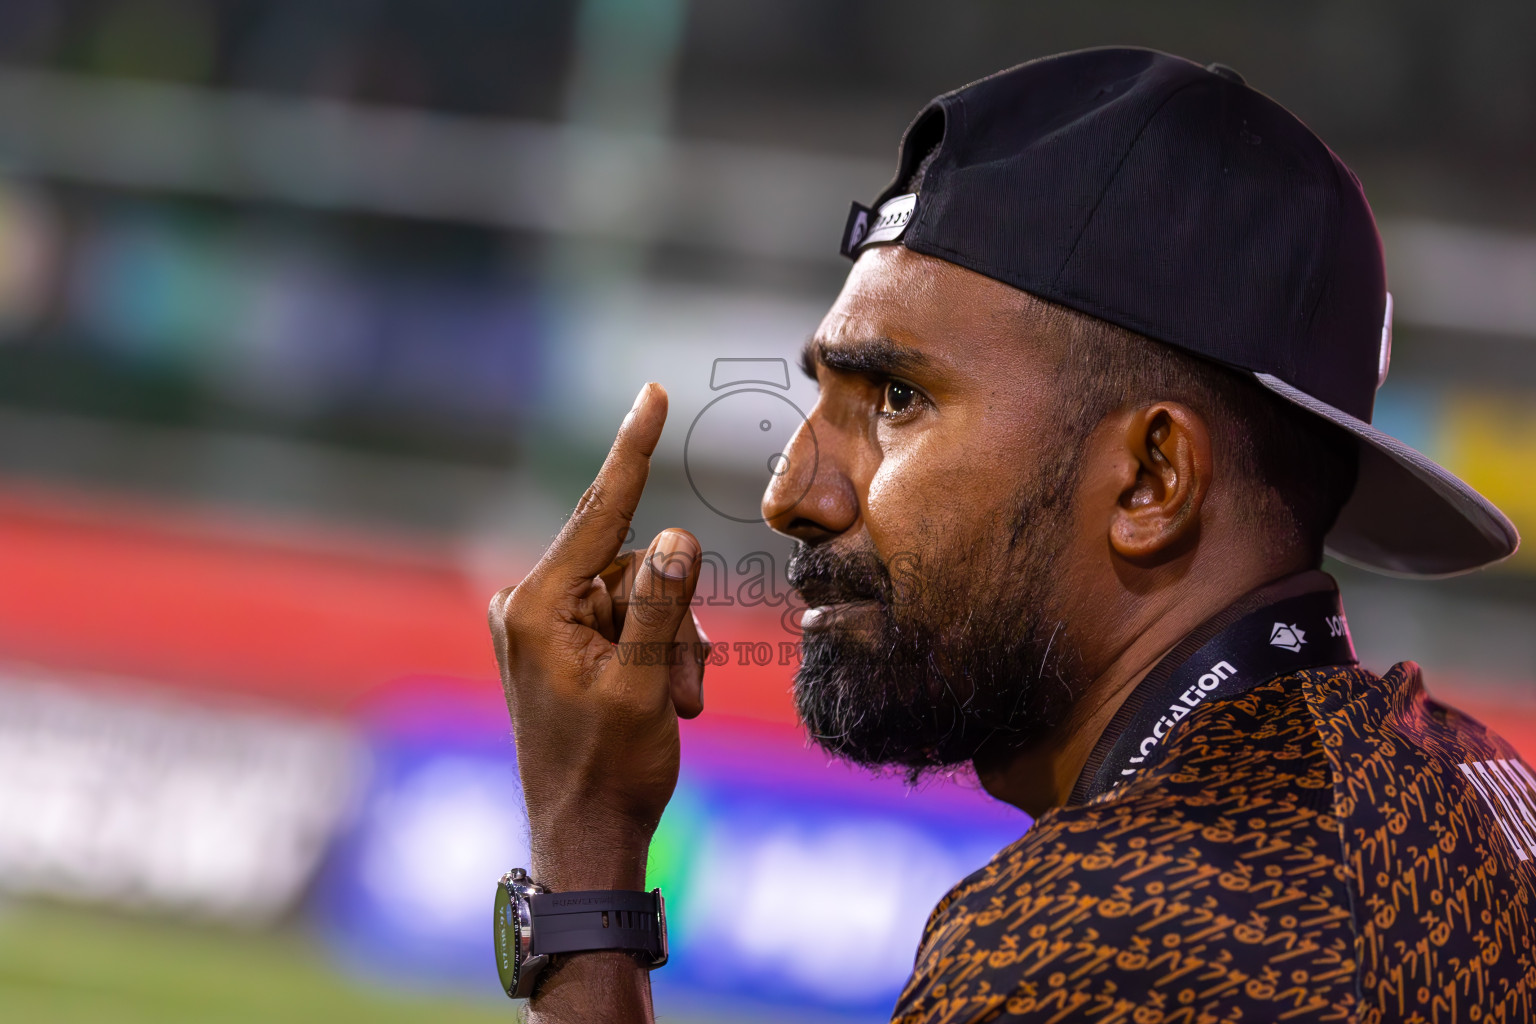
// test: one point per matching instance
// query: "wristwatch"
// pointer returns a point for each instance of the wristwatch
(532, 925)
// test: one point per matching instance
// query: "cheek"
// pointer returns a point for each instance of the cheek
(909, 523)
(902, 498)
(948, 482)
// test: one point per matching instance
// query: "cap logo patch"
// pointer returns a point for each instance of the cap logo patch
(887, 224)
(891, 219)
(859, 229)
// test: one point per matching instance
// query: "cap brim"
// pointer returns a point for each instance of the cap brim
(1407, 515)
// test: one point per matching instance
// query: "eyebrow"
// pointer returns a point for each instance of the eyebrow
(871, 356)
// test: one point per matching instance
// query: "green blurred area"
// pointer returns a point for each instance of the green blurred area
(65, 966)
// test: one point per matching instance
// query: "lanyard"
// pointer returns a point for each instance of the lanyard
(1298, 632)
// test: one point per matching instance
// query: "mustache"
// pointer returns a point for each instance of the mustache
(821, 575)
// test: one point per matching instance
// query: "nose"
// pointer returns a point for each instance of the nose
(810, 498)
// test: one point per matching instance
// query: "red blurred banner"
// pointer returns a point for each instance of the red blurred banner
(306, 617)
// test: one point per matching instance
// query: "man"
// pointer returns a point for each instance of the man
(1099, 384)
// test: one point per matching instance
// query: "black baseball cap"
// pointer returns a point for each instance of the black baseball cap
(1175, 201)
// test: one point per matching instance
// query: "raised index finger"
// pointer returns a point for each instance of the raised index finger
(596, 530)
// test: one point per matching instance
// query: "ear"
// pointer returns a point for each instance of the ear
(1167, 450)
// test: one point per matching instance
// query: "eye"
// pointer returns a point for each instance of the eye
(898, 400)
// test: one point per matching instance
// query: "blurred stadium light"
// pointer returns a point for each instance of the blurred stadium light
(333, 155)
(403, 162)
(150, 803)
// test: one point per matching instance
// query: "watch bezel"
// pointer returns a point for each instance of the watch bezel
(661, 925)
(517, 968)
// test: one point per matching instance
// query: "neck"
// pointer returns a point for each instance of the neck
(1140, 633)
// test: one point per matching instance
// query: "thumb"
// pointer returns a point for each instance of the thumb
(664, 586)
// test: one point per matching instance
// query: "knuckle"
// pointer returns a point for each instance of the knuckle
(592, 500)
(652, 610)
(596, 501)
(499, 603)
(504, 610)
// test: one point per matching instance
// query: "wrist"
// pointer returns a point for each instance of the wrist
(610, 984)
(579, 861)
(577, 843)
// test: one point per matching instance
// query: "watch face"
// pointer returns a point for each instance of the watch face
(508, 933)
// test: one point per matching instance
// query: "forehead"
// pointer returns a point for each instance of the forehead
(947, 312)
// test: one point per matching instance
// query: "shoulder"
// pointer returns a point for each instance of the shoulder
(1212, 880)
(1437, 816)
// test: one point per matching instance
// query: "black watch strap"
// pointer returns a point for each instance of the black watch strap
(573, 922)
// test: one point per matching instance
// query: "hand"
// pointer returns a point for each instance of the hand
(588, 646)
(609, 611)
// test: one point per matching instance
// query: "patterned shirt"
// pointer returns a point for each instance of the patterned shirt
(1331, 845)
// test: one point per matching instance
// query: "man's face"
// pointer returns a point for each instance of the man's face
(933, 529)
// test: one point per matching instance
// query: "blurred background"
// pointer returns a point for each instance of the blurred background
(316, 319)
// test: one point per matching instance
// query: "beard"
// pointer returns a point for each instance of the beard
(946, 655)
